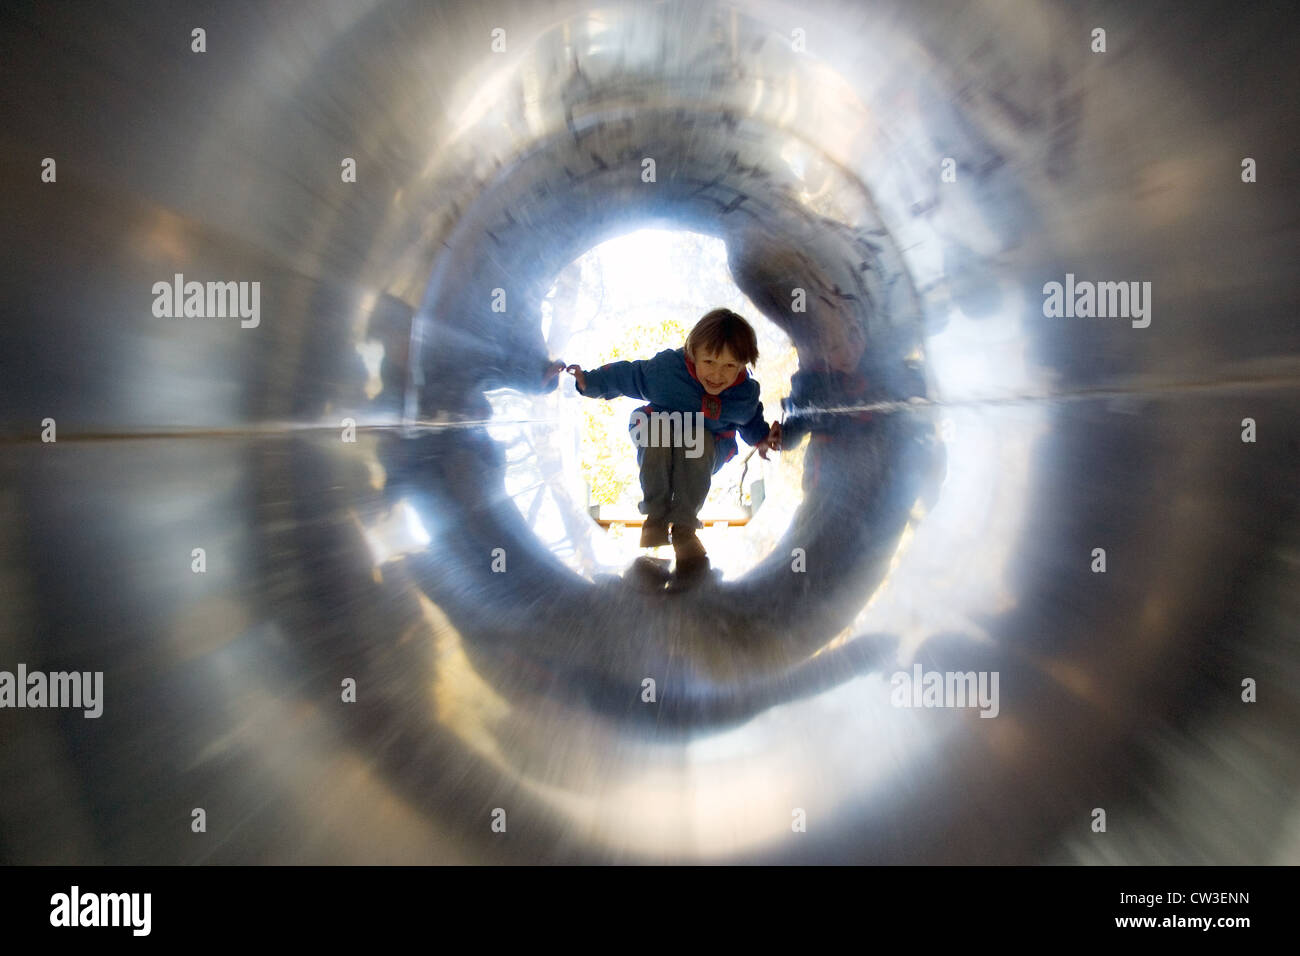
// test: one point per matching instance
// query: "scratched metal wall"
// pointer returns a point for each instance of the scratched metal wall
(950, 505)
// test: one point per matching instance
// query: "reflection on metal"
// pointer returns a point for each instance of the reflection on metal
(964, 455)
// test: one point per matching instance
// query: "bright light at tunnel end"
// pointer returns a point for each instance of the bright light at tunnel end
(626, 299)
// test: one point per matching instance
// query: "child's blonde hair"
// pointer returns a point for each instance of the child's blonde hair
(721, 329)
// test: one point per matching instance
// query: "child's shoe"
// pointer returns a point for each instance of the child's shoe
(686, 544)
(654, 533)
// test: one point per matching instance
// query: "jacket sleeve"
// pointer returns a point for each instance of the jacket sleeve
(615, 379)
(756, 429)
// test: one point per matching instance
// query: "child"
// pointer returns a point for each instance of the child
(706, 383)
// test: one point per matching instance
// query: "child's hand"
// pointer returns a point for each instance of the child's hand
(552, 371)
(579, 376)
(772, 441)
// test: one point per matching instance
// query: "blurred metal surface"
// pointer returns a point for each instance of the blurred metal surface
(952, 528)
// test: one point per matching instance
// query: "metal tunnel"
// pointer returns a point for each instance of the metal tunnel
(182, 511)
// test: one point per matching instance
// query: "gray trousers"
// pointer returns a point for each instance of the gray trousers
(674, 485)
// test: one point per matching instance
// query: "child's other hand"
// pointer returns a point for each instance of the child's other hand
(772, 441)
(579, 376)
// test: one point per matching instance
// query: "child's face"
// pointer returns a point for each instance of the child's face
(716, 372)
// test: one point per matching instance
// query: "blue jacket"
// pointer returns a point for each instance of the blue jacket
(668, 383)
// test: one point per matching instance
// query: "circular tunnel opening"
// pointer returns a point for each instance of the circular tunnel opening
(571, 468)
